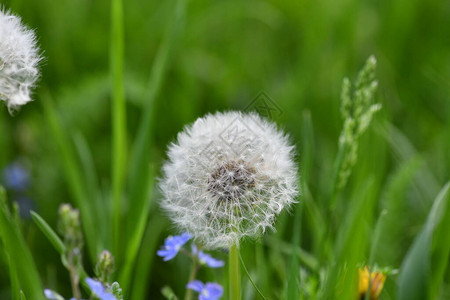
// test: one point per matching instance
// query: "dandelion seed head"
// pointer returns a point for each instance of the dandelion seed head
(19, 59)
(228, 175)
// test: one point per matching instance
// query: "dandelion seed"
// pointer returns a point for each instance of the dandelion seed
(208, 291)
(19, 59)
(227, 177)
(172, 245)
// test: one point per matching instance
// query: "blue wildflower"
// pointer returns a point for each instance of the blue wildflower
(172, 245)
(208, 291)
(16, 177)
(99, 290)
(206, 259)
(52, 295)
(211, 262)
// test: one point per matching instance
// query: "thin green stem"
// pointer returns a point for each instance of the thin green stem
(234, 274)
(250, 278)
(74, 280)
(194, 271)
(118, 115)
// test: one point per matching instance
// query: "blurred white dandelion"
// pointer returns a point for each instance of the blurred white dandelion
(19, 59)
(228, 175)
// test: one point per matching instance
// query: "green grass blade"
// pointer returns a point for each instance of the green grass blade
(49, 233)
(56, 242)
(73, 175)
(102, 219)
(250, 278)
(350, 245)
(22, 296)
(88, 167)
(440, 250)
(306, 258)
(416, 271)
(146, 256)
(293, 282)
(307, 148)
(135, 241)
(377, 236)
(140, 177)
(15, 286)
(388, 251)
(118, 118)
(426, 182)
(18, 252)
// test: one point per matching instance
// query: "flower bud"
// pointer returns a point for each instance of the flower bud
(105, 266)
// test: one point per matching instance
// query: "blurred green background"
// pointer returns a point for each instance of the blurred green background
(298, 52)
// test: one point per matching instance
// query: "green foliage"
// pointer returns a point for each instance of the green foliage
(366, 186)
(25, 276)
(420, 276)
(49, 233)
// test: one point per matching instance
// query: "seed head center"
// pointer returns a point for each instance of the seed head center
(231, 180)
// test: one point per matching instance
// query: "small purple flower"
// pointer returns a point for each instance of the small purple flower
(51, 295)
(206, 259)
(172, 245)
(208, 291)
(16, 177)
(99, 290)
(211, 262)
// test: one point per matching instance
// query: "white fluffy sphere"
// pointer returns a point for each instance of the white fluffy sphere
(19, 58)
(228, 175)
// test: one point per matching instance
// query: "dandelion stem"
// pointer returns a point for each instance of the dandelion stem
(118, 112)
(234, 274)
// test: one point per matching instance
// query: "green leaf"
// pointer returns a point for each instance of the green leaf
(416, 272)
(20, 256)
(49, 233)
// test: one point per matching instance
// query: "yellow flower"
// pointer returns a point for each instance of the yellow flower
(377, 280)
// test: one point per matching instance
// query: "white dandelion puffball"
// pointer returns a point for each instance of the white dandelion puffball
(19, 59)
(228, 175)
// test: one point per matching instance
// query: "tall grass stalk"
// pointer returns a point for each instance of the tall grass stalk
(118, 111)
